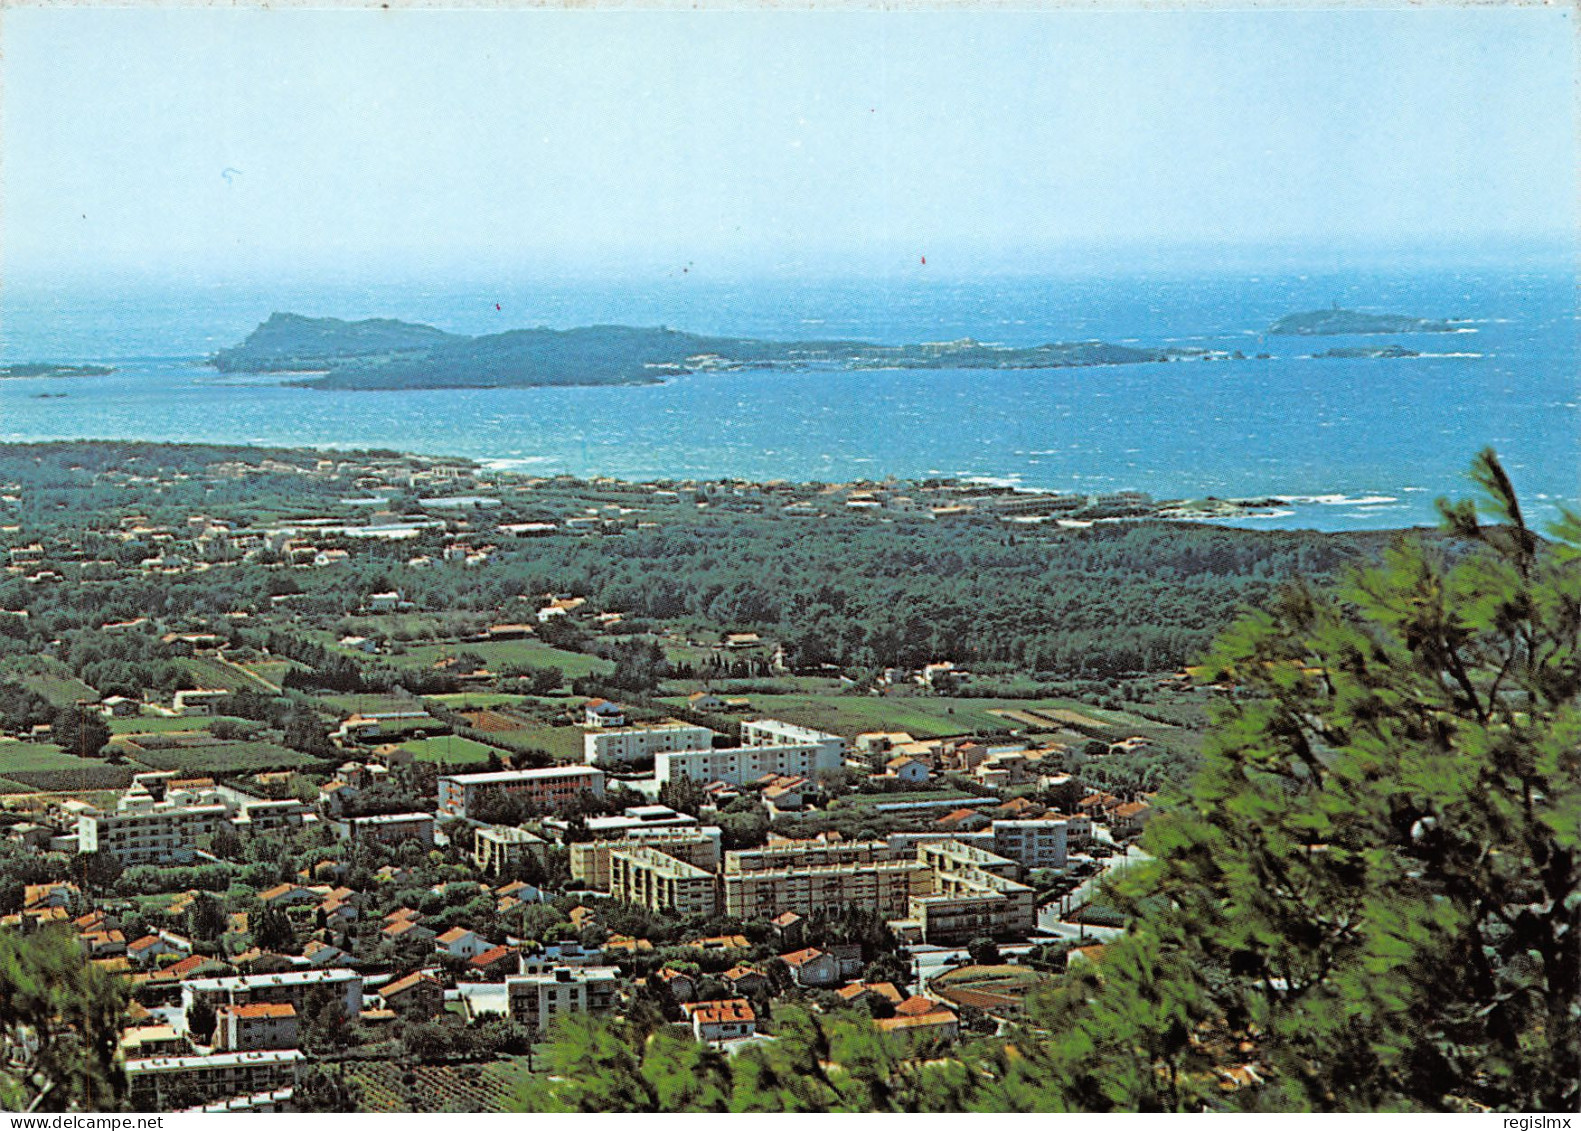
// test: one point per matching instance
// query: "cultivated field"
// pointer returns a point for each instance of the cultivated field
(451, 750)
(199, 754)
(486, 1087)
(43, 766)
(504, 654)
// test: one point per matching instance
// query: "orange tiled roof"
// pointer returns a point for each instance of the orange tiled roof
(714, 1012)
(490, 957)
(798, 958)
(939, 1019)
(260, 1010)
(406, 983)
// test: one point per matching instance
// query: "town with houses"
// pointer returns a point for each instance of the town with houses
(294, 868)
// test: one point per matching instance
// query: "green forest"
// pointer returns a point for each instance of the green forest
(1104, 601)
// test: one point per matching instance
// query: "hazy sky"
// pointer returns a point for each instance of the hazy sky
(222, 141)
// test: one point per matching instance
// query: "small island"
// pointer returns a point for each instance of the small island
(1337, 320)
(388, 354)
(50, 369)
(1367, 352)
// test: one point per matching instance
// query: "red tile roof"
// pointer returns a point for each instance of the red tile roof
(490, 957)
(411, 981)
(715, 1012)
(263, 1009)
(799, 958)
(917, 1006)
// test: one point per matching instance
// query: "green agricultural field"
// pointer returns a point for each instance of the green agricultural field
(9, 786)
(501, 654)
(399, 626)
(160, 724)
(212, 674)
(270, 671)
(371, 702)
(450, 749)
(31, 756)
(60, 690)
(563, 743)
(851, 715)
(489, 1087)
(477, 700)
(43, 766)
(224, 758)
(995, 979)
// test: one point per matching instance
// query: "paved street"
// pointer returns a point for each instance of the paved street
(1049, 919)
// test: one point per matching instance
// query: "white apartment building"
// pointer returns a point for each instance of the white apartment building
(289, 987)
(497, 847)
(885, 887)
(648, 877)
(632, 744)
(741, 764)
(772, 732)
(152, 1082)
(551, 787)
(696, 846)
(808, 854)
(263, 1025)
(973, 893)
(151, 836)
(536, 1000)
(1040, 843)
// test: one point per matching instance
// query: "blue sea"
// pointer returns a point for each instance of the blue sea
(1352, 444)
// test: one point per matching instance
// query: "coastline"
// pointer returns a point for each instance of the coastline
(947, 497)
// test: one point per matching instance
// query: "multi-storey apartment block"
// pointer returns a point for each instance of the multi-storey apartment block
(972, 894)
(659, 882)
(623, 747)
(154, 1082)
(496, 847)
(536, 1000)
(771, 732)
(392, 828)
(808, 854)
(150, 836)
(289, 988)
(262, 1025)
(697, 846)
(885, 887)
(550, 788)
(767, 747)
(1040, 843)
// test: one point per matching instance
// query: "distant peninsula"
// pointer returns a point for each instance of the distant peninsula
(1337, 320)
(387, 354)
(49, 369)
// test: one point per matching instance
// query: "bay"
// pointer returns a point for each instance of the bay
(1354, 443)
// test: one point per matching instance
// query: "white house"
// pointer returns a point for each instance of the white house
(812, 967)
(912, 771)
(603, 713)
(721, 1020)
(458, 942)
